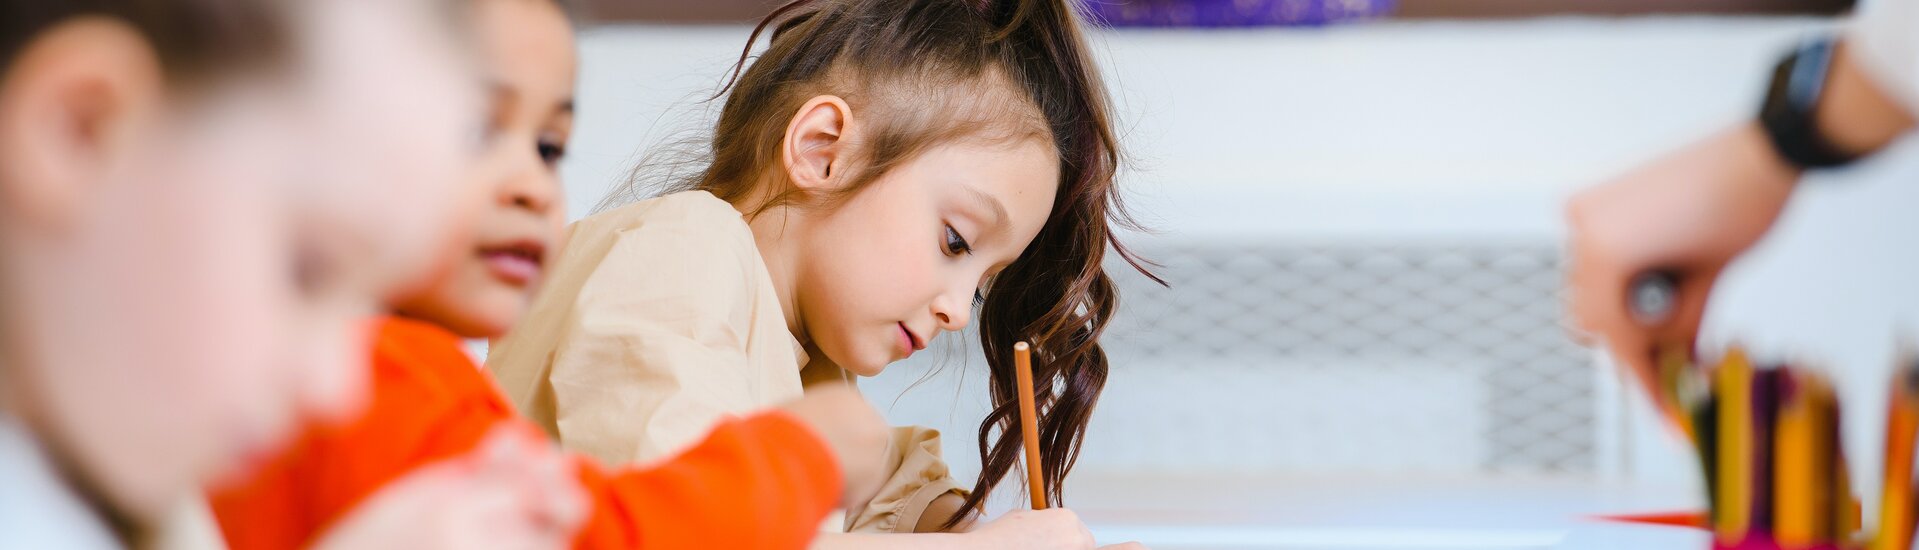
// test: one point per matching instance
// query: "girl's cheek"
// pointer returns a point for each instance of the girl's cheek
(902, 267)
(917, 265)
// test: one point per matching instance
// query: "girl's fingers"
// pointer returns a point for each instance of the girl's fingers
(565, 505)
(542, 478)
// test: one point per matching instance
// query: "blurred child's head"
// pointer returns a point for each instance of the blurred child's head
(184, 270)
(528, 61)
(927, 161)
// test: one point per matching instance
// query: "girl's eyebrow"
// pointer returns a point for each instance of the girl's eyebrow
(499, 95)
(497, 86)
(991, 204)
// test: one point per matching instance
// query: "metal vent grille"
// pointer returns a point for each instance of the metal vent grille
(1372, 358)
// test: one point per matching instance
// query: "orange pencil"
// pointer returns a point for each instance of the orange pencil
(1029, 424)
(1895, 498)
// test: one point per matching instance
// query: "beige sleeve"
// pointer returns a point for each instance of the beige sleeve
(188, 525)
(1884, 38)
(653, 351)
(919, 476)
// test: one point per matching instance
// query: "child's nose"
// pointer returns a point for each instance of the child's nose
(951, 314)
(530, 191)
(528, 183)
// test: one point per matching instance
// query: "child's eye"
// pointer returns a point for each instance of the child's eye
(979, 299)
(955, 244)
(551, 152)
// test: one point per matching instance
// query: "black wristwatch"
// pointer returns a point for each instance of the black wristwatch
(1791, 99)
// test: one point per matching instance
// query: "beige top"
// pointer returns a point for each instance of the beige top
(658, 319)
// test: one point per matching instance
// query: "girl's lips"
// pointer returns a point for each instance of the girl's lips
(908, 342)
(518, 263)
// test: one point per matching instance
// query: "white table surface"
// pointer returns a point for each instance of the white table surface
(1220, 512)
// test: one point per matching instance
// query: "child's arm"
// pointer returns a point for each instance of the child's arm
(763, 482)
(641, 361)
(919, 493)
(934, 518)
(512, 493)
(428, 404)
(1051, 529)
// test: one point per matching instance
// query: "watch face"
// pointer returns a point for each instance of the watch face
(1798, 82)
(1805, 77)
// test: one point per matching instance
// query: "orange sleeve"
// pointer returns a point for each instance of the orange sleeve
(766, 481)
(427, 402)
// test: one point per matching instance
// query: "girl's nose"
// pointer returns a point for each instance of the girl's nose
(953, 314)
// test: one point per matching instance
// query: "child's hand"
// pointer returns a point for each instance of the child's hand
(854, 431)
(513, 492)
(1049, 529)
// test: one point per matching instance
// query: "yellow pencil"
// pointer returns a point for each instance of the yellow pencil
(1734, 434)
(1029, 424)
(1801, 469)
(1845, 503)
(1674, 397)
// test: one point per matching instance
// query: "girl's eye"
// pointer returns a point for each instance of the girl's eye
(551, 152)
(955, 244)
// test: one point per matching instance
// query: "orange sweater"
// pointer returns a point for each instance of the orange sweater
(765, 481)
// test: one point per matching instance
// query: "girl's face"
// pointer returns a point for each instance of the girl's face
(883, 274)
(528, 60)
(203, 288)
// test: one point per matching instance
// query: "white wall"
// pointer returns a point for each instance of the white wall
(1495, 121)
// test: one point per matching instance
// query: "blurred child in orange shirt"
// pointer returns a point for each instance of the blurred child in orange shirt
(764, 481)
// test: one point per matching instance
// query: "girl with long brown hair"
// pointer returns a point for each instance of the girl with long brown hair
(886, 170)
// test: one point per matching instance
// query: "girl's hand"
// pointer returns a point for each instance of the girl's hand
(513, 492)
(1049, 529)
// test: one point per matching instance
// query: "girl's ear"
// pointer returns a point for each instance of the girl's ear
(67, 108)
(814, 150)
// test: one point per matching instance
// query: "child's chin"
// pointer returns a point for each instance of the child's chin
(493, 316)
(868, 368)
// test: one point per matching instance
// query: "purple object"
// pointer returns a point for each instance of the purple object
(1767, 397)
(1233, 13)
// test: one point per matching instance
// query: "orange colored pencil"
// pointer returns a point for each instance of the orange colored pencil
(1029, 424)
(1895, 498)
